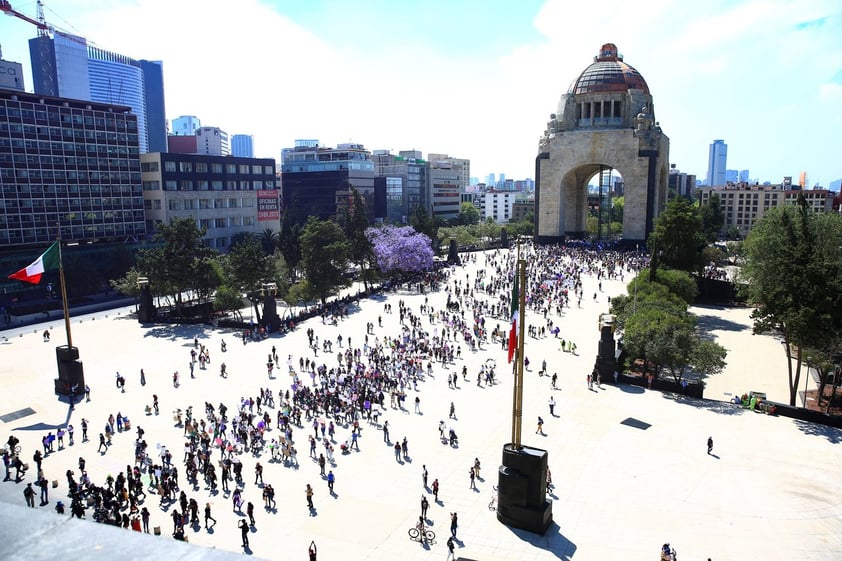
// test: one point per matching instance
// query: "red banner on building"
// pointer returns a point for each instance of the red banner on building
(268, 206)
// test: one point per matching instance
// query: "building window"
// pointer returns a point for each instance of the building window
(244, 169)
(149, 166)
(216, 185)
(171, 185)
(201, 167)
(248, 220)
(216, 168)
(201, 185)
(220, 222)
(232, 203)
(268, 170)
(185, 185)
(204, 204)
(185, 167)
(232, 168)
(151, 186)
(219, 203)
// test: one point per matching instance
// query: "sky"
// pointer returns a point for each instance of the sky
(478, 79)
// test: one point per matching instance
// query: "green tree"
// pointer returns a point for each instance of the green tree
(677, 240)
(356, 223)
(618, 205)
(229, 300)
(289, 242)
(177, 263)
(127, 284)
(324, 255)
(712, 218)
(468, 214)
(247, 267)
(269, 240)
(425, 224)
(793, 272)
(592, 226)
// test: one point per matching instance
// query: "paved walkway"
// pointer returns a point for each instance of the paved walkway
(768, 492)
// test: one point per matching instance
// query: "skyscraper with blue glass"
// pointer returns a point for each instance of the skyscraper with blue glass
(67, 66)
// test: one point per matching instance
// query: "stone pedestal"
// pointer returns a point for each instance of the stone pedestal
(522, 489)
(146, 310)
(606, 358)
(71, 376)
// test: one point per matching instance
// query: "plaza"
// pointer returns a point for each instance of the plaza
(620, 490)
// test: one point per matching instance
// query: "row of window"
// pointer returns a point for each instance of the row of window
(207, 204)
(204, 167)
(227, 222)
(201, 185)
(66, 162)
(60, 205)
(66, 133)
(51, 192)
(39, 175)
(34, 234)
(53, 116)
(89, 217)
(129, 148)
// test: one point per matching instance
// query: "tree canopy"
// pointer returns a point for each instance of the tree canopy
(794, 278)
(401, 249)
(677, 240)
(324, 256)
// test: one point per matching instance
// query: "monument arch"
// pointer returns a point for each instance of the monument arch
(606, 120)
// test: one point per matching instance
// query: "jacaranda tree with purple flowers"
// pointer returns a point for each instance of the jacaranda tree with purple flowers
(400, 250)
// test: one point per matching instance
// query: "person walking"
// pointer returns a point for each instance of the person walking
(540, 429)
(450, 549)
(436, 489)
(331, 479)
(250, 512)
(29, 495)
(244, 531)
(454, 524)
(473, 476)
(710, 445)
(144, 517)
(309, 493)
(552, 406)
(424, 475)
(425, 504)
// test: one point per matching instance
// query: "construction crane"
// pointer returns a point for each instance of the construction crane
(40, 23)
(48, 71)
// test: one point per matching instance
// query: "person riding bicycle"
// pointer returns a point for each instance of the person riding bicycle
(422, 531)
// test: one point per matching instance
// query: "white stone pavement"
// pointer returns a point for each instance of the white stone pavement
(769, 492)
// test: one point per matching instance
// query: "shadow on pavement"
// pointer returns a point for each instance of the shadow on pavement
(713, 323)
(629, 388)
(832, 435)
(721, 407)
(553, 541)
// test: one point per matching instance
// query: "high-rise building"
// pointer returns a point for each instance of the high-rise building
(461, 165)
(212, 141)
(316, 180)
(731, 176)
(156, 110)
(226, 195)
(67, 66)
(717, 158)
(186, 125)
(743, 176)
(68, 162)
(443, 190)
(406, 180)
(242, 145)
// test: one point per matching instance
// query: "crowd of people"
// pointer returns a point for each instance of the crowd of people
(327, 395)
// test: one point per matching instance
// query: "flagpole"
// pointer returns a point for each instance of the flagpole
(517, 390)
(63, 291)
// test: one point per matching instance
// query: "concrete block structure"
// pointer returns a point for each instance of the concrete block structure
(605, 121)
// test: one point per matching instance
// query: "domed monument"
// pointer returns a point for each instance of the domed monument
(604, 124)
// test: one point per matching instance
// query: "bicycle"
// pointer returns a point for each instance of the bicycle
(493, 504)
(429, 536)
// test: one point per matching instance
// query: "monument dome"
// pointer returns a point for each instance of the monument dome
(608, 73)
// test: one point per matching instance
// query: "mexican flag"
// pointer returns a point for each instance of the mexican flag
(48, 261)
(513, 334)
